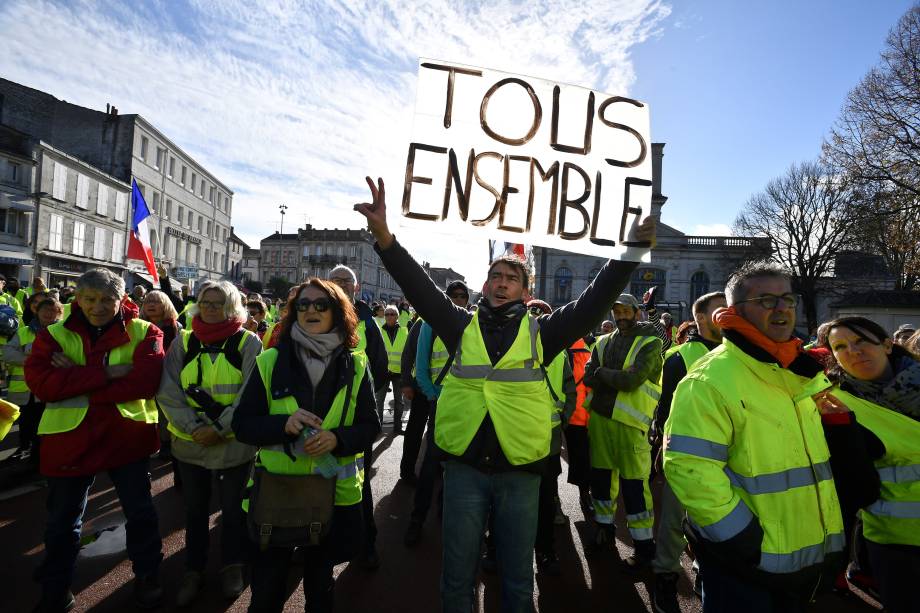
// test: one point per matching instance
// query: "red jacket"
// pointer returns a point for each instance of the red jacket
(104, 439)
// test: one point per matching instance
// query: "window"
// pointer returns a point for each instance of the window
(56, 233)
(121, 206)
(201, 193)
(226, 203)
(191, 216)
(79, 232)
(354, 251)
(168, 208)
(181, 214)
(8, 221)
(13, 172)
(209, 228)
(189, 252)
(563, 285)
(699, 285)
(99, 244)
(156, 203)
(306, 251)
(200, 222)
(225, 235)
(118, 247)
(59, 187)
(102, 200)
(223, 263)
(194, 181)
(176, 249)
(161, 158)
(182, 179)
(82, 191)
(144, 143)
(643, 279)
(207, 258)
(211, 195)
(172, 167)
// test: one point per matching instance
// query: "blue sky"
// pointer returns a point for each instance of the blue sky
(294, 102)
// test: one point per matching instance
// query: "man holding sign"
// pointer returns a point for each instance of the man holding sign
(493, 418)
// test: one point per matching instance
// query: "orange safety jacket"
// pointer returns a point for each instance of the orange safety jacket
(579, 354)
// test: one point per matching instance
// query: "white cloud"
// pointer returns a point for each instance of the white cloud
(712, 229)
(291, 102)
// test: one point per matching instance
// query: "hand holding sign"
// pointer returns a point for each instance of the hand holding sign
(376, 213)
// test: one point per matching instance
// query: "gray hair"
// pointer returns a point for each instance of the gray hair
(233, 301)
(343, 268)
(169, 311)
(735, 290)
(102, 280)
(391, 309)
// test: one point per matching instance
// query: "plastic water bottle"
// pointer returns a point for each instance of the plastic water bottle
(327, 465)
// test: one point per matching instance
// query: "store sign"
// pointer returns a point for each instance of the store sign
(184, 235)
(186, 272)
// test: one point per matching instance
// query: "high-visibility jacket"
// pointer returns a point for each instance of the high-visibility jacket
(513, 392)
(895, 517)
(744, 442)
(634, 408)
(220, 378)
(580, 355)
(690, 352)
(404, 318)
(268, 334)
(395, 348)
(362, 336)
(185, 313)
(273, 458)
(13, 302)
(19, 391)
(65, 415)
(438, 359)
(555, 375)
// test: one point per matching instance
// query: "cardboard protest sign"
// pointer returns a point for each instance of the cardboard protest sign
(525, 160)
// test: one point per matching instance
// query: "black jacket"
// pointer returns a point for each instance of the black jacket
(376, 352)
(557, 330)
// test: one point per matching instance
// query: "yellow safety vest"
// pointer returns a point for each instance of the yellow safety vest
(634, 408)
(395, 348)
(65, 415)
(351, 468)
(221, 379)
(513, 393)
(362, 337)
(555, 374)
(744, 440)
(895, 517)
(18, 385)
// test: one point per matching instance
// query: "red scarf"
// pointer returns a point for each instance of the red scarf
(210, 334)
(785, 352)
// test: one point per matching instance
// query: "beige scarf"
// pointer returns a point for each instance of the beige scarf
(315, 351)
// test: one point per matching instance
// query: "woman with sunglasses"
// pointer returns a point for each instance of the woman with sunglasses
(204, 371)
(878, 383)
(310, 396)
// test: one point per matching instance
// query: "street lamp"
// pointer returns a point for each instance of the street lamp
(282, 208)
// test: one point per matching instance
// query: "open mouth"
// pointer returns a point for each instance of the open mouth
(313, 320)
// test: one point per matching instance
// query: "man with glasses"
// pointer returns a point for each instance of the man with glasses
(745, 453)
(371, 342)
(394, 341)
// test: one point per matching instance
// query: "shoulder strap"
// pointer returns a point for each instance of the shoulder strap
(444, 370)
(230, 349)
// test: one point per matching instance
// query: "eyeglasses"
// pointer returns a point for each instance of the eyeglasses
(459, 296)
(207, 304)
(771, 301)
(320, 305)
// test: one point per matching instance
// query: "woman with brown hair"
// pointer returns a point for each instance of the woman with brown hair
(310, 408)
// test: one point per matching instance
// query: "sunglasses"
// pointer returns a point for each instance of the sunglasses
(320, 305)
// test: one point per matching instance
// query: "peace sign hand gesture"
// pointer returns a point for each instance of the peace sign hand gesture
(376, 213)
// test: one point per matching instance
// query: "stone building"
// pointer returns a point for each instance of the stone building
(17, 206)
(191, 208)
(236, 247)
(249, 265)
(82, 220)
(683, 267)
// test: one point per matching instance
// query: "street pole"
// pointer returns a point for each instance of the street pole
(283, 208)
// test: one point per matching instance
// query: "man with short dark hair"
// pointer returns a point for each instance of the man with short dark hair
(493, 420)
(97, 370)
(746, 454)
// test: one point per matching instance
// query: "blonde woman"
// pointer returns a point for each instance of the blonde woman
(159, 310)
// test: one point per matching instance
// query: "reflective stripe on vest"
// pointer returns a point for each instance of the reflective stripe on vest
(513, 393)
(634, 408)
(394, 348)
(219, 378)
(274, 459)
(65, 415)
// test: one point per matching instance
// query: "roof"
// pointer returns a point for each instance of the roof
(280, 237)
(236, 238)
(882, 298)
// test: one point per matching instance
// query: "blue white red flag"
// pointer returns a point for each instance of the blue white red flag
(525, 252)
(139, 240)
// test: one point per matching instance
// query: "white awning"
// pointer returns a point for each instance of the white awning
(15, 257)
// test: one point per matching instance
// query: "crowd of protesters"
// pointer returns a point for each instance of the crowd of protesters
(781, 460)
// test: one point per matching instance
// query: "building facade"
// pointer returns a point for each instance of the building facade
(249, 265)
(82, 220)
(191, 208)
(17, 206)
(235, 249)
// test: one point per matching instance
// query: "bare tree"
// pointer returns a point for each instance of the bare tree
(806, 214)
(877, 137)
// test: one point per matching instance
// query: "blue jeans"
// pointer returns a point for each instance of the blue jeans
(469, 497)
(66, 504)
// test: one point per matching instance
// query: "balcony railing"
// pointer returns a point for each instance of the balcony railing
(726, 242)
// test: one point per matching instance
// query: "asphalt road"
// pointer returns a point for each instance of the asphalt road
(407, 580)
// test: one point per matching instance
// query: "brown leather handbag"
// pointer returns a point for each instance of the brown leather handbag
(290, 510)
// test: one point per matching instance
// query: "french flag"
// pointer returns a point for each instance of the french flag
(139, 241)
